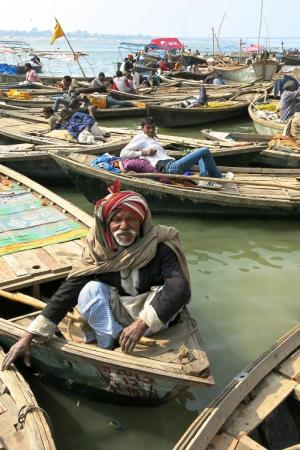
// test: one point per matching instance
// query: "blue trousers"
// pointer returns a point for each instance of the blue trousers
(201, 156)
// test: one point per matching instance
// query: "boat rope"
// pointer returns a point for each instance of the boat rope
(26, 409)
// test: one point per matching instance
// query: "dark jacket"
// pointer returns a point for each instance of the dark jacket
(163, 270)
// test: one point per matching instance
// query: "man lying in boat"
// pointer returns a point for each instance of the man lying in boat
(80, 125)
(146, 146)
(196, 102)
(132, 279)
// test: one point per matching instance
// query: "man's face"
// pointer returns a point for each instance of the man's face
(149, 130)
(125, 228)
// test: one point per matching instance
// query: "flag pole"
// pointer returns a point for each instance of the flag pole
(72, 50)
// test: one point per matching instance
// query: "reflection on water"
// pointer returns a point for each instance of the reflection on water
(245, 278)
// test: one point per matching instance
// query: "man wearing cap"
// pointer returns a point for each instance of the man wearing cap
(132, 279)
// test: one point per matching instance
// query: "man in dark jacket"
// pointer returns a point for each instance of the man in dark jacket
(131, 280)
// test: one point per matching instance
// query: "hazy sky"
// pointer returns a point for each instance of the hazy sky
(156, 17)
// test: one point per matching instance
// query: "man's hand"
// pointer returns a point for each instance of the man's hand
(149, 152)
(131, 335)
(21, 347)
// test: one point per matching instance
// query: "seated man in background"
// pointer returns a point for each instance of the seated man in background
(31, 75)
(124, 83)
(132, 279)
(146, 146)
(68, 87)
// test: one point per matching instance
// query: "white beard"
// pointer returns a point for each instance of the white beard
(130, 237)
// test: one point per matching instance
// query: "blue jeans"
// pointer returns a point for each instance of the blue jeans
(60, 101)
(201, 156)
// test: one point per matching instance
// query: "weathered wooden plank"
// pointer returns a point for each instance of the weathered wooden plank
(291, 367)
(268, 395)
(15, 266)
(29, 260)
(223, 442)
(6, 272)
(49, 260)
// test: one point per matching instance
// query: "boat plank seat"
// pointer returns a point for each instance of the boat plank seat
(291, 367)
(267, 395)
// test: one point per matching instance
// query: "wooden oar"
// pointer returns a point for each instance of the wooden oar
(38, 304)
(217, 180)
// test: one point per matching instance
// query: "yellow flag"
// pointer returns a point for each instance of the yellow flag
(57, 33)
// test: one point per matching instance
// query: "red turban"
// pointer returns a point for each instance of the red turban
(119, 200)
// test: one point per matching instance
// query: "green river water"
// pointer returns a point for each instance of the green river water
(245, 281)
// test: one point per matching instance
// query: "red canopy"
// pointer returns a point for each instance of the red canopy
(253, 48)
(167, 43)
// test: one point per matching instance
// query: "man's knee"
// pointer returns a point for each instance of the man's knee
(92, 289)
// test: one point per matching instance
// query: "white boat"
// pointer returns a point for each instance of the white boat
(248, 73)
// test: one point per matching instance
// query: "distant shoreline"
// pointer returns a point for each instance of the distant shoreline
(17, 34)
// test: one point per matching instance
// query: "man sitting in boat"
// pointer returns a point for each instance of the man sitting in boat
(68, 87)
(124, 83)
(100, 82)
(289, 101)
(132, 279)
(105, 86)
(146, 146)
(31, 75)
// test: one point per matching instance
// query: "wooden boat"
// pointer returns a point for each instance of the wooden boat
(32, 159)
(46, 79)
(200, 74)
(264, 126)
(277, 154)
(259, 409)
(291, 60)
(38, 258)
(40, 232)
(250, 195)
(17, 403)
(172, 116)
(106, 113)
(248, 74)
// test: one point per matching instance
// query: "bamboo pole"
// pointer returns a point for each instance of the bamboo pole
(72, 50)
(38, 304)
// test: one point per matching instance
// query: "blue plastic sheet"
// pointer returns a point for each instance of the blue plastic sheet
(8, 69)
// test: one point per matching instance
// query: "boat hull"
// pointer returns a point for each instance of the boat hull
(248, 74)
(181, 117)
(164, 198)
(99, 380)
(263, 126)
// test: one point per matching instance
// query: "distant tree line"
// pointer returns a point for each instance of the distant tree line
(75, 34)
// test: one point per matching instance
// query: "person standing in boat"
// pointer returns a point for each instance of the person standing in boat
(289, 101)
(31, 75)
(132, 279)
(146, 146)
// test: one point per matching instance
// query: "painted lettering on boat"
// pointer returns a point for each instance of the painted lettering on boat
(128, 382)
